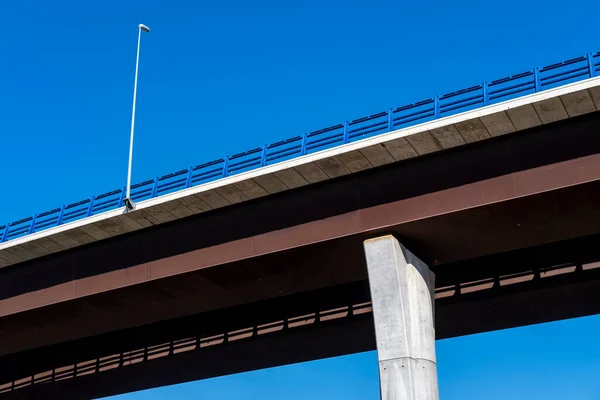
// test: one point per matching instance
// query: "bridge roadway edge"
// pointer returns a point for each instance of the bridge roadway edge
(369, 208)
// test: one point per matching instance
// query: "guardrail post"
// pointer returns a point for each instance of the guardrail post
(60, 216)
(591, 66)
(91, 207)
(436, 106)
(154, 187)
(5, 233)
(188, 181)
(303, 145)
(390, 120)
(263, 156)
(225, 166)
(32, 227)
(120, 203)
(346, 132)
(536, 79)
(486, 96)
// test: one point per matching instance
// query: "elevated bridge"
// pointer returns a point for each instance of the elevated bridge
(258, 259)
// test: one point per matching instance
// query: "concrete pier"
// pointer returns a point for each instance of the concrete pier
(402, 293)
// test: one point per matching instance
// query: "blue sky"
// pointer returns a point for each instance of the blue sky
(221, 77)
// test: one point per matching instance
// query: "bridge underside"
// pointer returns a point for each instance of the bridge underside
(557, 281)
(499, 261)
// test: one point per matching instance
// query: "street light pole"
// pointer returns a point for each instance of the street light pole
(130, 204)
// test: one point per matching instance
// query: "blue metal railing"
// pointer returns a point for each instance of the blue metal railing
(532, 81)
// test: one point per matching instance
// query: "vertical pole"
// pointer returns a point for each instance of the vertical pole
(225, 166)
(188, 181)
(486, 96)
(60, 216)
(303, 145)
(263, 156)
(154, 187)
(591, 65)
(436, 106)
(91, 207)
(32, 227)
(346, 132)
(390, 120)
(137, 61)
(120, 203)
(536, 79)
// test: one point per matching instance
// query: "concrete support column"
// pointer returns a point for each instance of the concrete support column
(402, 293)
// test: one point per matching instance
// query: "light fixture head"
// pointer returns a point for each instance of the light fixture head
(144, 28)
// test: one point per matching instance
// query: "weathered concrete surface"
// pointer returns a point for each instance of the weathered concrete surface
(578, 103)
(251, 189)
(524, 117)
(213, 199)
(472, 130)
(232, 194)
(377, 155)
(311, 172)
(424, 143)
(400, 149)
(498, 124)
(550, 110)
(333, 167)
(270, 183)
(291, 178)
(355, 161)
(402, 293)
(448, 136)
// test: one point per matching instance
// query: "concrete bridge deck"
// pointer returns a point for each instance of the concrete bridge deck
(500, 202)
(519, 208)
(477, 125)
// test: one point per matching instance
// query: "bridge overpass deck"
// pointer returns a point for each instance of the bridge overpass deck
(29, 242)
(507, 222)
(523, 190)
